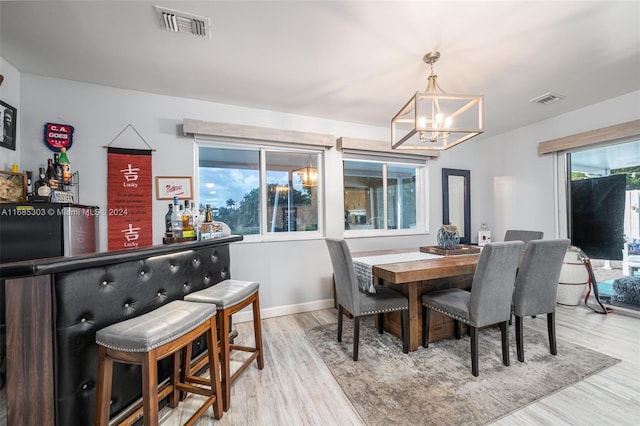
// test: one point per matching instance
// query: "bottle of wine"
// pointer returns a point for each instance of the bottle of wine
(167, 220)
(51, 175)
(176, 219)
(66, 166)
(208, 216)
(58, 168)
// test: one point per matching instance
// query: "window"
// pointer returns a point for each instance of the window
(382, 195)
(260, 190)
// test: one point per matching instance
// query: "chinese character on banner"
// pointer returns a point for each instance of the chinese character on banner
(129, 199)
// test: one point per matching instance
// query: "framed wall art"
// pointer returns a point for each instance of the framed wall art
(8, 117)
(168, 187)
(13, 187)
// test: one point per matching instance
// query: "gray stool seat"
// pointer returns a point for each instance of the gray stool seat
(155, 328)
(225, 294)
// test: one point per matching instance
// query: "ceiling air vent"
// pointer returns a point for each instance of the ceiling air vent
(546, 99)
(176, 21)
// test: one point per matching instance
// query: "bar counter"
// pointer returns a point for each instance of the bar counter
(54, 307)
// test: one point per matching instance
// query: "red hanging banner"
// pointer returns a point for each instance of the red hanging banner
(129, 198)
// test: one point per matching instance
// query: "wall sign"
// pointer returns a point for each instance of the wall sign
(129, 196)
(168, 187)
(57, 136)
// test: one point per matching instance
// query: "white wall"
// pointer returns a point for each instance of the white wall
(10, 94)
(511, 186)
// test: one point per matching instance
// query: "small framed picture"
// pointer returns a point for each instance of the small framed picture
(168, 187)
(13, 187)
(8, 117)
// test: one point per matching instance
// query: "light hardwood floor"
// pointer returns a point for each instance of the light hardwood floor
(296, 388)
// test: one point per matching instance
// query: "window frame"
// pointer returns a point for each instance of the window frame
(262, 147)
(421, 166)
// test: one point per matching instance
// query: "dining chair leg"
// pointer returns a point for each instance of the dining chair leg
(551, 328)
(425, 327)
(340, 312)
(474, 350)
(356, 336)
(458, 329)
(405, 330)
(504, 330)
(380, 323)
(519, 342)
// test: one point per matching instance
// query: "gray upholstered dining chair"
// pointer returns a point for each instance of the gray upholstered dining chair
(522, 235)
(537, 287)
(488, 302)
(363, 304)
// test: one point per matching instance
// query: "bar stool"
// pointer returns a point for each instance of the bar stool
(144, 340)
(231, 296)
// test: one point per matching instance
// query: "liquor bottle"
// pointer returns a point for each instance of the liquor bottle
(193, 221)
(29, 184)
(187, 221)
(58, 168)
(206, 229)
(66, 166)
(167, 220)
(176, 219)
(52, 176)
(208, 216)
(42, 186)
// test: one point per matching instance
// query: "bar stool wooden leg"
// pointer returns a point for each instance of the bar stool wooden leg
(225, 359)
(150, 388)
(257, 330)
(103, 387)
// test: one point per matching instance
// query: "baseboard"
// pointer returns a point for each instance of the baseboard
(278, 311)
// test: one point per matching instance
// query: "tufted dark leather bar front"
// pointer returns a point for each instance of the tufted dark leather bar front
(89, 295)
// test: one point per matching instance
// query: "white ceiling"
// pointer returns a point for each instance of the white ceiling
(355, 61)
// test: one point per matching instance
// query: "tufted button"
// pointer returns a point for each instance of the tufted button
(141, 272)
(83, 320)
(185, 285)
(214, 257)
(171, 266)
(126, 305)
(85, 386)
(105, 282)
(159, 293)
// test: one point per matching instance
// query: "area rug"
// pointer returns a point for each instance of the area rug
(434, 386)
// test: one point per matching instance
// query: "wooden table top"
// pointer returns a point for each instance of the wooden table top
(421, 270)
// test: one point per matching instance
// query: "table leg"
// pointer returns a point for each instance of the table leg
(393, 321)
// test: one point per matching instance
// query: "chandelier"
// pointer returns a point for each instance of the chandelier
(308, 176)
(436, 120)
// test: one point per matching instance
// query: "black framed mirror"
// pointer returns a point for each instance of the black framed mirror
(456, 201)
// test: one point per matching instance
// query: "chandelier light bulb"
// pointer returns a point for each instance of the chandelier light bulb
(448, 122)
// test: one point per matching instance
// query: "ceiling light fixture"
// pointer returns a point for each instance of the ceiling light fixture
(308, 176)
(436, 120)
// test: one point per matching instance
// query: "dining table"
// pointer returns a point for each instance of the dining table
(413, 273)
